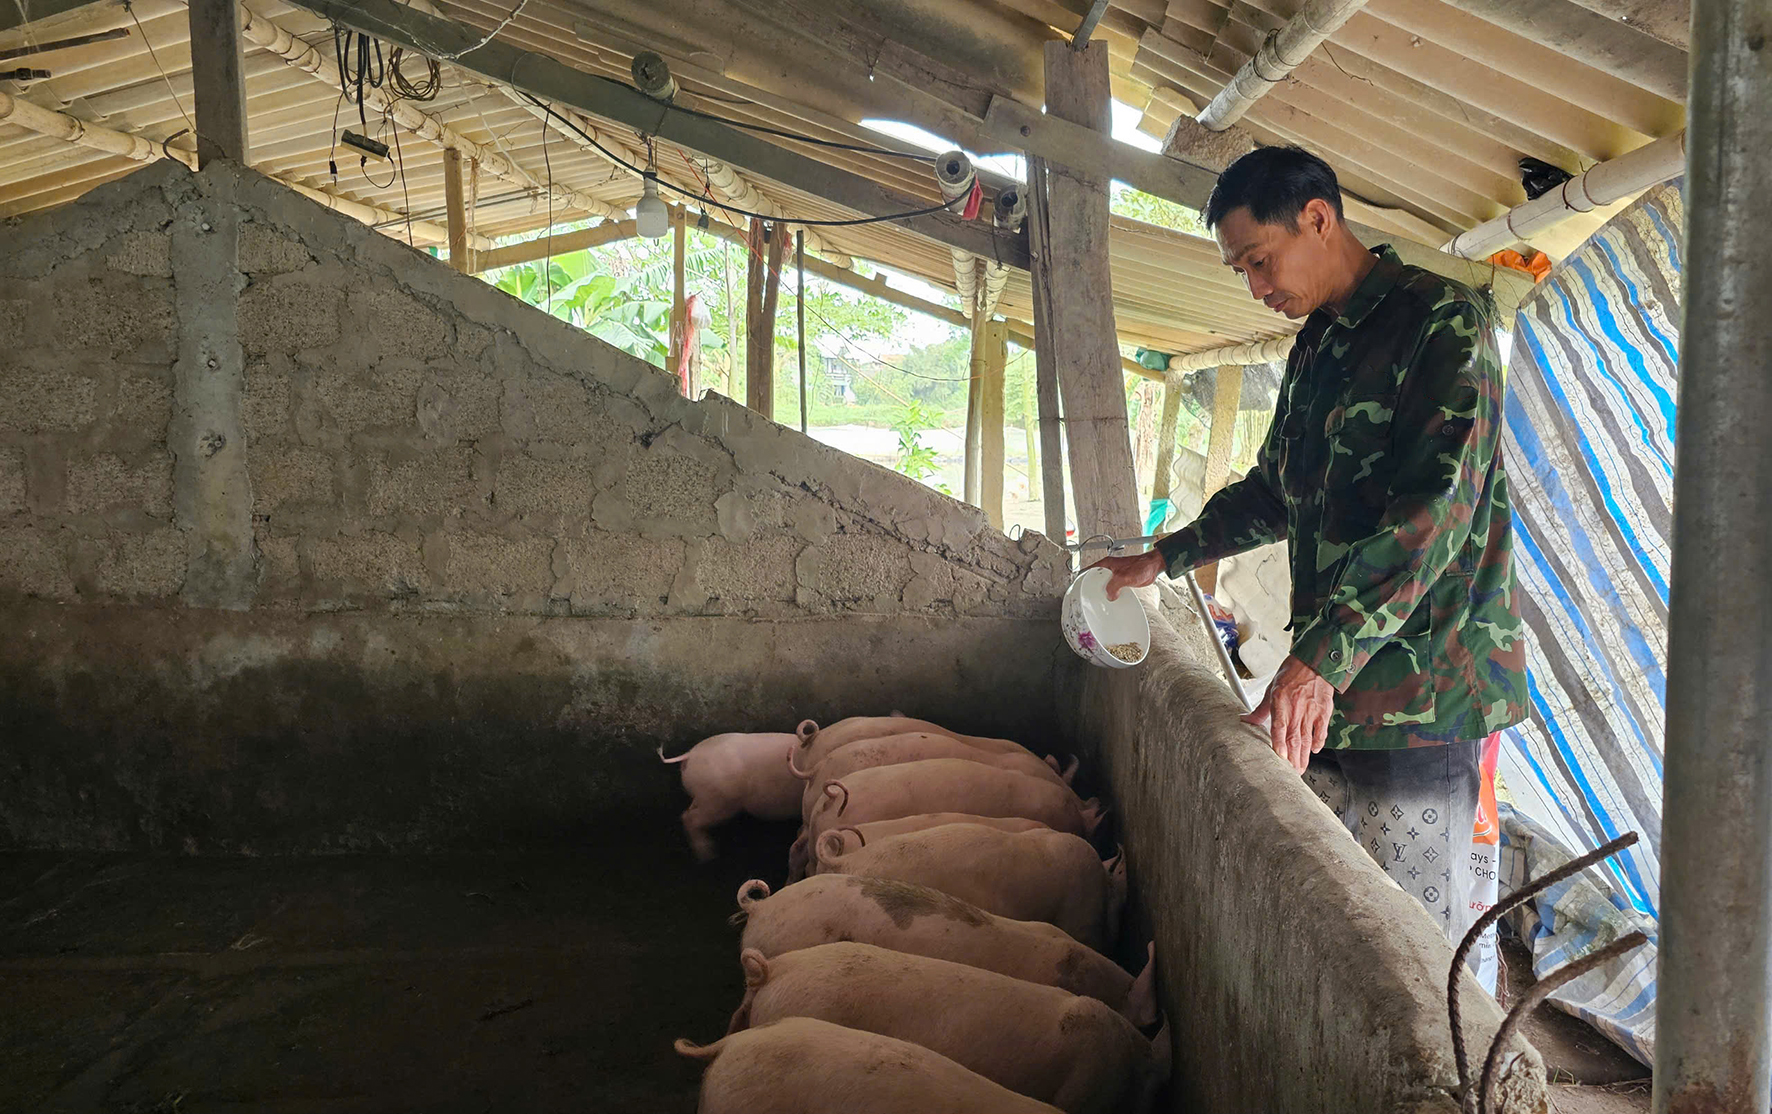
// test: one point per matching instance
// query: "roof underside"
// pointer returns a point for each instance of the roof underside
(1419, 105)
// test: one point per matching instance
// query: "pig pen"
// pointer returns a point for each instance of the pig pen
(348, 603)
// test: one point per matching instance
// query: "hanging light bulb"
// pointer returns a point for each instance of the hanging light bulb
(651, 217)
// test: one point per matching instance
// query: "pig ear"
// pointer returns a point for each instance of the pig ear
(808, 731)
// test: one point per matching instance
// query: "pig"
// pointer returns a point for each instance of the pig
(893, 750)
(1049, 1044)
(917, 920)
(801, 1065)
(948, 785)
(816, 743)
(857, 836)
(1026, 876)
(726, 775)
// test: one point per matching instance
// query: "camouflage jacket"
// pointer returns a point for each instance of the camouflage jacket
(1382, 470)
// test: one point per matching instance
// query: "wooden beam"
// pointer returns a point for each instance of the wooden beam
(1086, 29)
(36, 11)
(218, 82)
(1227, 392)
(1165, 466)
(1045, 365)
(1070, 144)
(763, 288)
(800, 317)
(1073, 279)
(551, 80)
(1627, 53)
(543, 246)
(678, 326)
(460, 257)
(995, 343)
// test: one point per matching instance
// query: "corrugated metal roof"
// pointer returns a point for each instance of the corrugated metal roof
(1420, 106)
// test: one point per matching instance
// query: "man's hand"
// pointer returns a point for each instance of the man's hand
(1131, 572)
(1296, 711)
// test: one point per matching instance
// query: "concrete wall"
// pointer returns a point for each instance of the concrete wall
(309, 542)
(1300, 977)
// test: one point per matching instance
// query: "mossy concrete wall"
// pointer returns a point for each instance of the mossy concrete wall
(1300, 977)
(309, 542)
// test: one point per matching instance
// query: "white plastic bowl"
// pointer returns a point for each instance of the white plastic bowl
(1092, 622)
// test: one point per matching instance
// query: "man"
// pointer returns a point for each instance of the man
(1381, 471)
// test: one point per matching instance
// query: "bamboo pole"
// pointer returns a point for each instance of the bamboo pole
(679, 326)
(990, 422)
(1028, 418)
(530, 250)
(1227, 392)
(459, 256)
(1162, 479)
(974, 407)
(800, 317)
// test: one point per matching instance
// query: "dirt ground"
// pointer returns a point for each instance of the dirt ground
(370, 984)
(349, 984)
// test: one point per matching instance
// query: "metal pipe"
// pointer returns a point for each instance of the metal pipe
(1228, 667)
(1711, 1011)
(1602, 184)
(1283, 51)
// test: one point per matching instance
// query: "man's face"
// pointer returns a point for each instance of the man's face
(1290, 272)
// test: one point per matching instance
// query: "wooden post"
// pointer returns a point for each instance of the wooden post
(1028, 417)
(800, 317)
(679, 325)
(218, 82)
(1073, 290)
(974, 380)
(1227, 392)
(990, 421)
(459, 255)
(764, 288)
(1045, 365)
(1161, 480)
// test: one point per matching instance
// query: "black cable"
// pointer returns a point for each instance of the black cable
(862, 148)
(406, 87)
(946, 206)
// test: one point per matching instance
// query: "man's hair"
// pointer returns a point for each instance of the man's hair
(1275, 184)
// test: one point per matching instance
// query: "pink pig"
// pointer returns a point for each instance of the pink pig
(1038, 1041)
(906, 917)
(949, 785)
(803, 1066)
(1026, 876)
(726, 775)
(816, 743)
(894, 750)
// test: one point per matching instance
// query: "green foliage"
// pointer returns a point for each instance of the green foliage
(915, 459)
(1139, 205)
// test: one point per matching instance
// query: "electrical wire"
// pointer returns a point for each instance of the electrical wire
(798, 137)
(130, 8)
(490, 35)
(946, 206)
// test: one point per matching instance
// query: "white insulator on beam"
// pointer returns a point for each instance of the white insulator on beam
(1602, 184)
(965, 279)
(996, 277)
(1283, 52)
(1239, 355)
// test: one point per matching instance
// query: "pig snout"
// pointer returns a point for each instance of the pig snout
(1093, 815)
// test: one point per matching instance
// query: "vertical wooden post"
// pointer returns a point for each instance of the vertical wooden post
(764, 289)
(219, 82)
(458, 212)
(990, 421)
(974, 379)
(1028, 418)
(1227, 392)
(1161, 481)
(800, 317)
(679, 326)
(1068, 218)
(1045, 362)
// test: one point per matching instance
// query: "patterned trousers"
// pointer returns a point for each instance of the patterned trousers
(1413, 811)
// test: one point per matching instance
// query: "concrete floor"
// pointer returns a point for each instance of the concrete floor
(373, 984)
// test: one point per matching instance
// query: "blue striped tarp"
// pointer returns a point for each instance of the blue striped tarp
(1592, 379)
